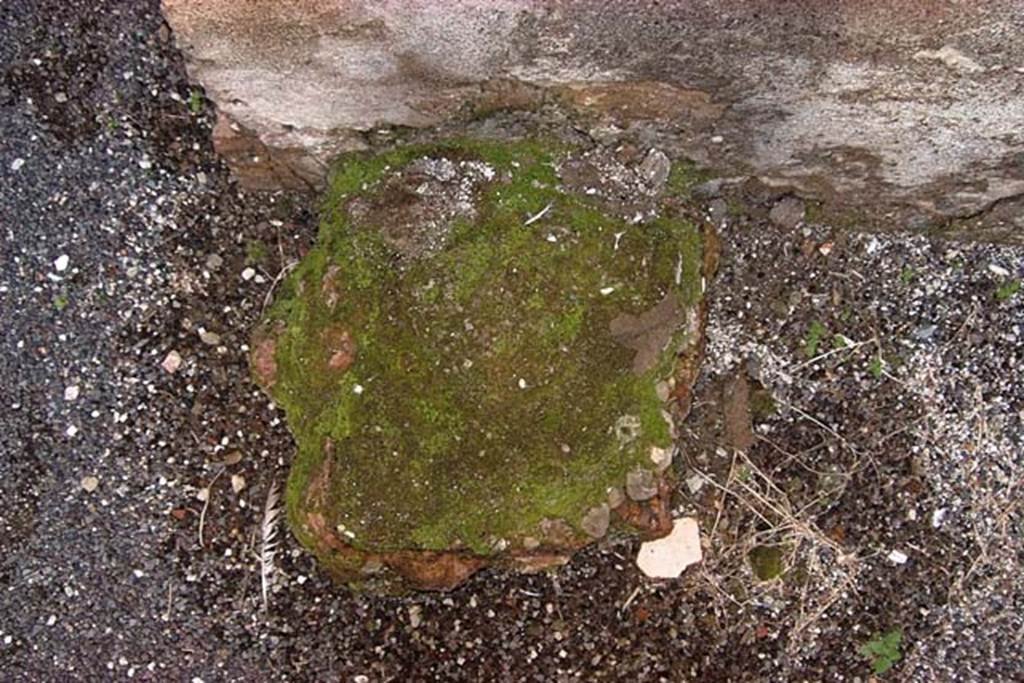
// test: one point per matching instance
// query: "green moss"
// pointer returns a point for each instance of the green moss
(684, 177)
(256, 252)
(1008, 290)
(815, 333)
(486, 385)
(762, 405)
(766, 561)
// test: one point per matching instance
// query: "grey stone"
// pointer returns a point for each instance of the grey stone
(595, 522)
(709, 189)
(718, 211)
(655, 169)
(615, 497)
(925, 332)
(209, 338)
(641, 484)
(787, 213)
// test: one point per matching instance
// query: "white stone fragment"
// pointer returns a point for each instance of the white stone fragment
(60, 264)
(248, 274)
(171, 362)
(661, 457)
(89, 484)
(898, 557)
(666, 558)
(951, 57)
(71, 393)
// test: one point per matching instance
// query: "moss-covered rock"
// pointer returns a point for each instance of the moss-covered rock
(476, 360)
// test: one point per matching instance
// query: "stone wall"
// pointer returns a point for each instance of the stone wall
(914, 109)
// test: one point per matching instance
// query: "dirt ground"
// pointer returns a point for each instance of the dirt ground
(857, 430)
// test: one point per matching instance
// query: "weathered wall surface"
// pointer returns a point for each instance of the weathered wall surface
(915, 105)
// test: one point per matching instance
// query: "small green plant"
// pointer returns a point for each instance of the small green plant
(195, 101)
(767, 561)
(60, 302)
(908, 275)
(877, 366)
(883, 651)
(762, 405)
(815, 334)
(839, 341)
(1008, 290)
(256, 252)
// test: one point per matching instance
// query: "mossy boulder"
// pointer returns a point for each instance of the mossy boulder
(478, 359)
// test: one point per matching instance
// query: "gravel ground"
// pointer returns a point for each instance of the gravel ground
(124, 241)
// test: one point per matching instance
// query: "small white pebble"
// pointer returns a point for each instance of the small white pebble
(61, 263)
(248, 274)
(522, 383)
(71, 393)
(17, 164)
(605, 291)
(998, 270)
(237, 483)
(938, 516)
(203, 494)
(358, 389)
(209, 338)
(71, 430)
(897, 557)
(717, 139)
(171, 362)
(145, 164)
(90, 484)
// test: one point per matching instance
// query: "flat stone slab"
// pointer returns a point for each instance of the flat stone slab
(480, 357)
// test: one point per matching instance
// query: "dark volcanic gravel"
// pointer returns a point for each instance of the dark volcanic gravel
(123, 240)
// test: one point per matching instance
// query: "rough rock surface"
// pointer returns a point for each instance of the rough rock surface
(105, 162)
(912, 107)
(469, 361)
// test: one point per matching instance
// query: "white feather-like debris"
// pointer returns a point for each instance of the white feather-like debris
(268, 549)
(543, 212)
